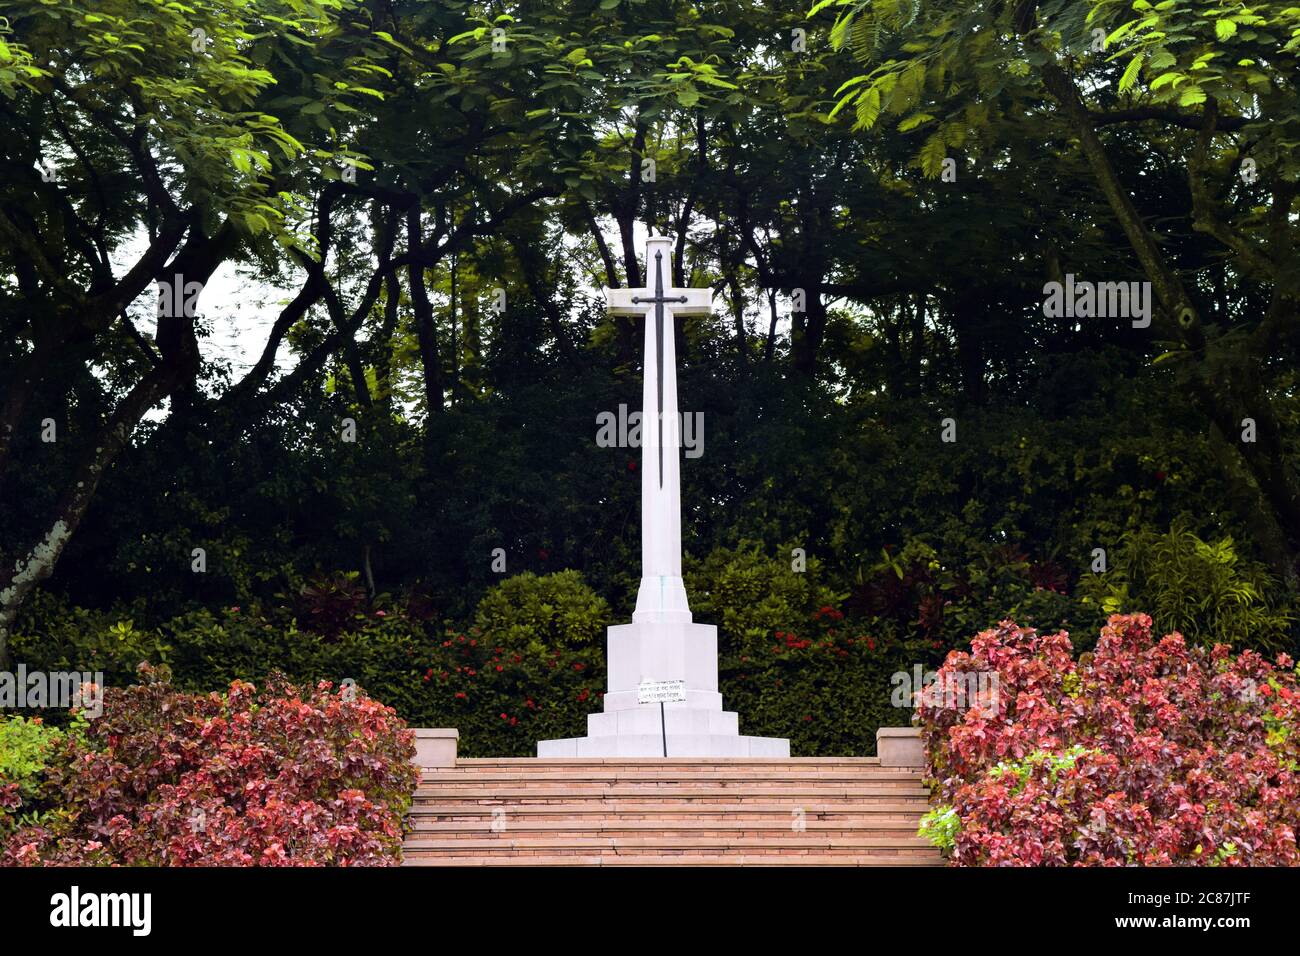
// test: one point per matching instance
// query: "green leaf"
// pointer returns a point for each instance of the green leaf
(868, 108)
(932, 155)
(1162, 59)
(1130, 73)
(1224, 29)
(849, 84)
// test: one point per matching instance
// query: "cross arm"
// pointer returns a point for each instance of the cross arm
(698, 301)
(619, 302)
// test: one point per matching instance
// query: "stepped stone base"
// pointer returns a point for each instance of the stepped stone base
(696, 727)
(652, 745)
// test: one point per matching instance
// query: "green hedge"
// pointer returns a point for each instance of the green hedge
(791, 664)
(436, 676)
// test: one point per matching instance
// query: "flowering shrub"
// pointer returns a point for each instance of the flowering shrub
(503, 698)
(1143, 752)
(827, 687)
(276, 777)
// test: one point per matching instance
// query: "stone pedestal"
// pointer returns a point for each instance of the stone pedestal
(900, 747)
(435, 746)
(696, 727)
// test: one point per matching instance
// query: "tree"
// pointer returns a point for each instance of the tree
(1212, 87)
(138, 126)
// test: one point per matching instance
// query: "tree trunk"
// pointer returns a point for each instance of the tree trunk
(809, 329)
(426, 330)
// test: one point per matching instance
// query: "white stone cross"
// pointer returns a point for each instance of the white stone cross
(662, 596)
(662, 643)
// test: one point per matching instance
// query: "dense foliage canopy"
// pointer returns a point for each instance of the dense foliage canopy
(425, 199)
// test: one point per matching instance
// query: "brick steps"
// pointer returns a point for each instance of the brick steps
(595, 813)
(791, 795)
(664, 843)
(776, 859)
(680, 811)
(629, 829)
(608, 778)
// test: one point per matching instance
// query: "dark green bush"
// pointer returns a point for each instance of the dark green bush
(543, 612)
(1205, 590)
(748, 593)
(57, 636)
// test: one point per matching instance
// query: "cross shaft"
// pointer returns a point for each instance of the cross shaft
(658, 299)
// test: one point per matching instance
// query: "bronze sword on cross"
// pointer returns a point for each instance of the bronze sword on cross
(659, 299)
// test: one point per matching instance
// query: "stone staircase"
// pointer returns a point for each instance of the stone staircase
(703, 811)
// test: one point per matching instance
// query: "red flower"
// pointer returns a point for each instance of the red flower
(504, 717)
(500, 668)
(579, 666)
(631, 466)
(460, 694)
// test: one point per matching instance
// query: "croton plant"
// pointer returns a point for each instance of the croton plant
(1144, 752)
(271, 776)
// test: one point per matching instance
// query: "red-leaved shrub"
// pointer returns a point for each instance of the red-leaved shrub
(1145, 752)
(270, 777)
